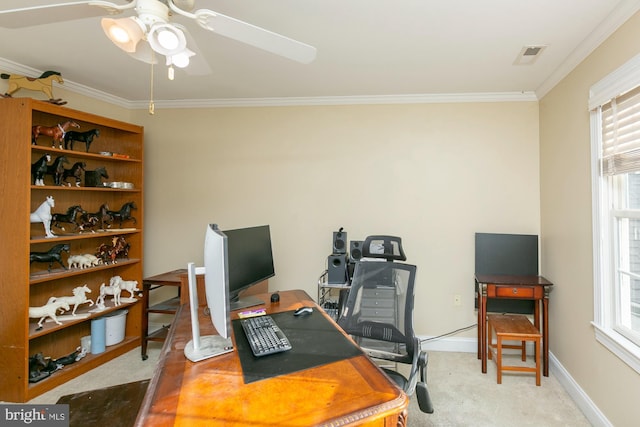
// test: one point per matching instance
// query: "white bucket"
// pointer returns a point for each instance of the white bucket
(116, 323)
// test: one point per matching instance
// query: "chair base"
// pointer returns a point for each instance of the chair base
(512, 327)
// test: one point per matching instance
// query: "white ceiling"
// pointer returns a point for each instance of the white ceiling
(366, 48)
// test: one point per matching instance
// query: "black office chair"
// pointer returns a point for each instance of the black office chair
(378, 314)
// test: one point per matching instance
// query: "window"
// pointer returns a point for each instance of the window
(615, 132)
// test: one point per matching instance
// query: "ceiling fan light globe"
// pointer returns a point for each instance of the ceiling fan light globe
(119, 35)
(166, 39)
(124, 33)
(181, 60)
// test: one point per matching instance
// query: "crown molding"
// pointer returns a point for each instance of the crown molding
(343, 100)
(13, 67)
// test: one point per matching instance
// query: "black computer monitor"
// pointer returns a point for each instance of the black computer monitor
(507, 254)
(250, 260)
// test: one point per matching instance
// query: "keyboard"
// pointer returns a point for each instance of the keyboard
(264, 336)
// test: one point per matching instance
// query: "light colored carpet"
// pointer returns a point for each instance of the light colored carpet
(461, 394)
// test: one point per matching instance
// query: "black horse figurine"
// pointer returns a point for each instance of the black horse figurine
(103, 216)
(51, 256)
(41, 367)
(57, 169)
(94, 178)
(71, 217)
(39, 169)
(124, 213)
(86, 137)
(76, 172)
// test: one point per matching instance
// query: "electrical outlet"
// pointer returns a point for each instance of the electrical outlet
(457, 300)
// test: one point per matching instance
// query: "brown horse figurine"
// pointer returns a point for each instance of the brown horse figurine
(56, 132)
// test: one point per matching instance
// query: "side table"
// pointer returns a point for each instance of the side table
(170, 306)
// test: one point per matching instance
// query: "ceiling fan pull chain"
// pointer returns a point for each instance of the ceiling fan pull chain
(152, 107)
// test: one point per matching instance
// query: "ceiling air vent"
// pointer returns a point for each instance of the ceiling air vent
(529, 54)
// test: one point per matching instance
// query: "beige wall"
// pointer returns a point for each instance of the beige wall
(432, 174)
(567, 233)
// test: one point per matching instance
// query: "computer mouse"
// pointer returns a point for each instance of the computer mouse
(303, 310)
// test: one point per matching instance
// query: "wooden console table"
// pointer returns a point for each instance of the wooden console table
(213, 392)
(535, 288)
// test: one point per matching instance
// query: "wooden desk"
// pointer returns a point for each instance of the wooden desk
(213, 392)
(534, 288)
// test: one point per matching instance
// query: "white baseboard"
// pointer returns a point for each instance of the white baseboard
(582, 400)
(573, 389)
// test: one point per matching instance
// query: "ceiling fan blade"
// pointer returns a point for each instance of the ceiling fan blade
(255, 36)
(60, 12)
(198, 65)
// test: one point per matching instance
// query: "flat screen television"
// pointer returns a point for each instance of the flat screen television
(216, 273)
(250, 259)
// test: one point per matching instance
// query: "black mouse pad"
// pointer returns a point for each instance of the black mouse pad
(314, 340)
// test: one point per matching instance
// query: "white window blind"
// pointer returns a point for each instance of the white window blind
(621, 134)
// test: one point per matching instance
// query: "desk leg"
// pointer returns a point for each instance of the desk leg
(545, 333)
(145, 320)
(482, 324)
(479, 297)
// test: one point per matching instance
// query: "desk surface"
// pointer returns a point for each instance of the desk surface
(505, 279)
(213, 392)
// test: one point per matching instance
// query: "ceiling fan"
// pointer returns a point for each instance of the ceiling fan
(151, 32)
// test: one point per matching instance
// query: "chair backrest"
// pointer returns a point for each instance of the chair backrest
(386, 247)
(379, 309)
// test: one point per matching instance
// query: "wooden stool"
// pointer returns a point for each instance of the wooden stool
(515, 327)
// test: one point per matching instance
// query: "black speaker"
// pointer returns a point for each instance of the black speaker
(355, 250)
(340, 242)
(337, 269)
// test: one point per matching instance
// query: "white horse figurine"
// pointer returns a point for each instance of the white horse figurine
(48, 310)
(43, 215)
(111, 290)
(79, 297)
(130, 286)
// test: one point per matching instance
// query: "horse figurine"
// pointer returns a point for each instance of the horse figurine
(79, 297)
(71, 217)
(57, 169)
(111, 290)
(43, 215)
(124, 213)
(39, 169)
(43, 84)
(119, 246)
(56, 132)
(103, 216)
(130, 286)
(51, 256)
(41, 367)
(48, 310)
(86, 137)
(88, 222)
(94, 178)
(79, 261)
(76, 172)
